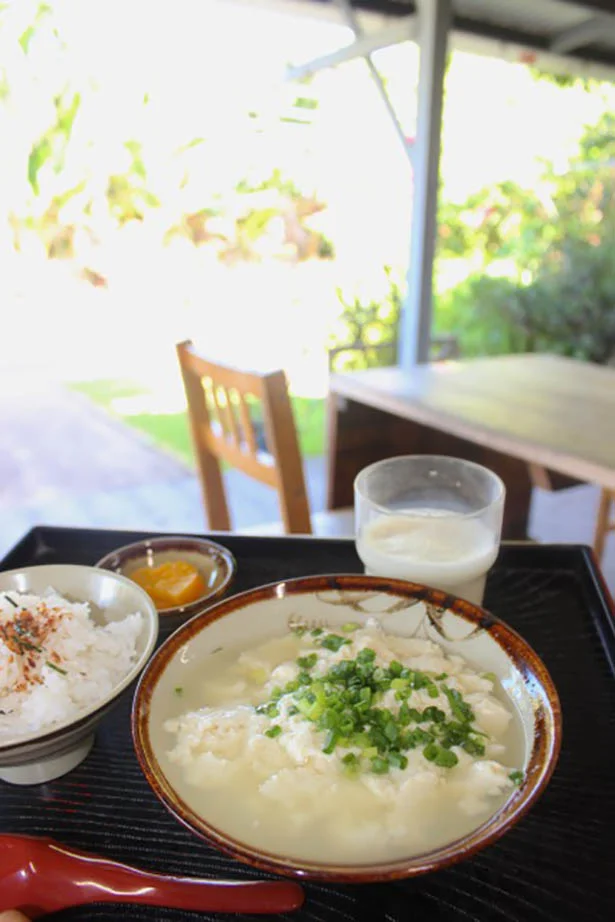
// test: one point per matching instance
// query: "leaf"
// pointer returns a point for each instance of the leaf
(40, 153)
(60, 200)
(196, 142)
(26, 37)
(28, 34)
(66, 114)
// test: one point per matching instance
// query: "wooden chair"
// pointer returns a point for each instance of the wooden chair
(220, 400)
(604, 523)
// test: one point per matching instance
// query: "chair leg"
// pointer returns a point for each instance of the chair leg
(602, 522)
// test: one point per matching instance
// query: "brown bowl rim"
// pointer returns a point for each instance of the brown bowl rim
(541, 763)
(205, 546)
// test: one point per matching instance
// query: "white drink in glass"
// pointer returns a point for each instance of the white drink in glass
(431, 546)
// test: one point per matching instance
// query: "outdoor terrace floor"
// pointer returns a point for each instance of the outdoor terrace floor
(66, 462)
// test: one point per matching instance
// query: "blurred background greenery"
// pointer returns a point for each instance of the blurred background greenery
(214, 164)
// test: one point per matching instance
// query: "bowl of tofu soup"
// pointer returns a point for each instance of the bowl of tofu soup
(347, 728)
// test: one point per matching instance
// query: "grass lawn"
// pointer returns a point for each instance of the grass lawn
(170, 430)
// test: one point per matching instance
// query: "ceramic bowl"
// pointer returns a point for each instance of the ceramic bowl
(403, 608)
(38, 757)
(214, 562)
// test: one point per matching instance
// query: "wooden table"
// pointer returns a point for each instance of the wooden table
(518, 415)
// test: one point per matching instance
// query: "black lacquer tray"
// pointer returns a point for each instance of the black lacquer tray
(557, 864)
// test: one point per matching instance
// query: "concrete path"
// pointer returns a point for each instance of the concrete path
(66, 462)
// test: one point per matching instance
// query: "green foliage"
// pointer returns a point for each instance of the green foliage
(128, 194)
(570, 309)
(598, 143)
(367, 331)
(475, 312)
(541, 269)
(278, 198)
(276, 181)
(564, 81)
(52, 146)
(306, 102)
(25, 39)
(171, 430)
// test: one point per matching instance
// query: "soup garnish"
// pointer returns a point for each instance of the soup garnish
(345, 745)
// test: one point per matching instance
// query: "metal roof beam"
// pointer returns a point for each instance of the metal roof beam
(582, 34)
(346, 9)
(517, 52)
(402, 31)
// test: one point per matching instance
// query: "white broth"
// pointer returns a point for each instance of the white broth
(372, 747)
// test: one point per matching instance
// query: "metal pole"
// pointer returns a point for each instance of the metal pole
(415, 332)
(348, 12)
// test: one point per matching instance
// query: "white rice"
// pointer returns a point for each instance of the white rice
(56, 662)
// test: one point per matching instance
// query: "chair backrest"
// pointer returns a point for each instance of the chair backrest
(222, 407)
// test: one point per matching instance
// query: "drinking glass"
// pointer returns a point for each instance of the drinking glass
(430, 519)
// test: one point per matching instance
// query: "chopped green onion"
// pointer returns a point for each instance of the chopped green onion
(516, 777)
(270, 709)
(330, 742)
(397, 760)
(346, 705)
(350, 626)
(27, 645)
(57, 668)
(273, 731)
(473, 747)
(391, 732)
(446, 758)
(431, 752)
(333, 642)
(435, 714)
(178, 690)
(403, 715)
(460, 708)
(399, 684)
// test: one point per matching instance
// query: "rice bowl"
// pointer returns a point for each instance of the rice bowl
(55, 661)
(72, 638)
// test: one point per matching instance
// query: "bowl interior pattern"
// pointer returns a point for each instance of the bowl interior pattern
(329, 601)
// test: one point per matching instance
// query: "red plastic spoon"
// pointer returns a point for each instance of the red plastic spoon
(38, 876)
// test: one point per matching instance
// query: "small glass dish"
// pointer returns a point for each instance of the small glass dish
(215, 565)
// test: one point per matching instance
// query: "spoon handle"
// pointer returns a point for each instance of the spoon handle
(254, 897)
(58, 877)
